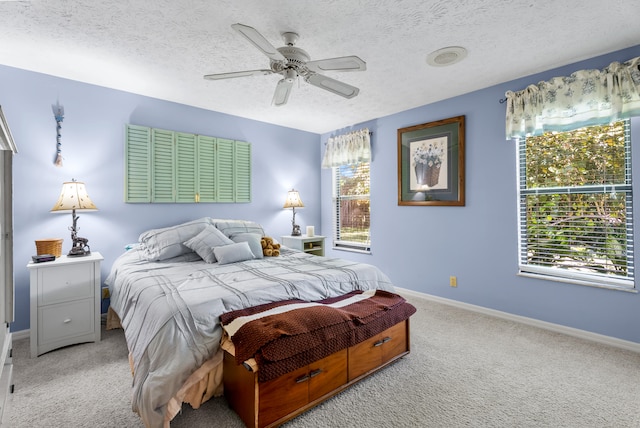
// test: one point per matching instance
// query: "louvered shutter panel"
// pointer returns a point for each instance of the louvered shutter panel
(242, 171)
(137, 180)
(224, 170)
(186, 167)
(206, 170)
(167, 166)
(163, 173)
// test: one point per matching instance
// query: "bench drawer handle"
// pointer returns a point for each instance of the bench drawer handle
(315, 373)
(382, 342)
(302, 379)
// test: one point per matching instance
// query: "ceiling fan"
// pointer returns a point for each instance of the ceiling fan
(291, 62)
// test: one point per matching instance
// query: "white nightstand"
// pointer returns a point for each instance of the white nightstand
(65, 302)
(309, 244)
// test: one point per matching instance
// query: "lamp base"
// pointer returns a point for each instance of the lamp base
(78, 252)
(80, 246)
(296, 230)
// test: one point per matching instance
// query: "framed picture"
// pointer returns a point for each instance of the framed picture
(431, 163)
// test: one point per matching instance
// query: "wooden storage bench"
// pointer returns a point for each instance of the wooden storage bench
(271, 403)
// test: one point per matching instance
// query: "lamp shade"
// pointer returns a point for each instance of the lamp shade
(293, 200)
(73, 196)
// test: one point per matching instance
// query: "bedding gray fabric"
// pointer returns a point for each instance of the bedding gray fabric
(170, 310)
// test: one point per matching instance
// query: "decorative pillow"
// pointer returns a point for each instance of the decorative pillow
(233, 227)
(166, 243)
(236, 252)
(253, 239)
(204, 243)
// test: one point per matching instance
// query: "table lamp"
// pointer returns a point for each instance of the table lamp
(74, 197)
(293, 201)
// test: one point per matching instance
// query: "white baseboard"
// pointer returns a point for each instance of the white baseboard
(570, 331)
(583, 334)
(22, 334)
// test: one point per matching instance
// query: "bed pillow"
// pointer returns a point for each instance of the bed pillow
(253, 239)
(168, 242)
(204, 243)
(234, 227)
(236, 252)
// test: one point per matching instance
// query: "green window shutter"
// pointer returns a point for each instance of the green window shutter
(168, 166)
(224, 170)
(242, 172)
(186, 170)
(163, 161)
(206, 169)
(137, 180)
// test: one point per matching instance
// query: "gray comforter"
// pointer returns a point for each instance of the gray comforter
(170, 310)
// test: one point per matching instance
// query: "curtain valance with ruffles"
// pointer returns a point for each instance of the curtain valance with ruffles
(346, 149)
(585, 98)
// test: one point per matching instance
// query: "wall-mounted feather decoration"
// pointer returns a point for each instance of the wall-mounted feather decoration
(58, 113)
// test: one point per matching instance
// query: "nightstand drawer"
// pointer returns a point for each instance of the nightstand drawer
(57, 322)
(63, 284)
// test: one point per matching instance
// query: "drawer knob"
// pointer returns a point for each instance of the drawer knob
(67, 321)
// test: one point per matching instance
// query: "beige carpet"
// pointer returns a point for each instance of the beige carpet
(465, 370)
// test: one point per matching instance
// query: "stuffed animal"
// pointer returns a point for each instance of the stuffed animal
(270, 248)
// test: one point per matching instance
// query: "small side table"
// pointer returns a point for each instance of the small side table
(309, 244)
(65, 302)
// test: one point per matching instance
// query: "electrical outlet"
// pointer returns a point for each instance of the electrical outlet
(453, 281)
(105, 293)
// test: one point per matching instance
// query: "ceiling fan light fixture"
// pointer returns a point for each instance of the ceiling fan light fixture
(446, 56)
(290, 75)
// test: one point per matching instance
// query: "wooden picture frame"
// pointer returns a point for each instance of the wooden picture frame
(431, 163)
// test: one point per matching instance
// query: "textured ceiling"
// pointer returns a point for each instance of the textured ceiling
(162, 48)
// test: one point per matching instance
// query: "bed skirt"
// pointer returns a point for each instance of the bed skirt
(200, 386)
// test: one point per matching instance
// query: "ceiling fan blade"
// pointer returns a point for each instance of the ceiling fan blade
(283, 89)
(259, 41)
(234, 74)
(333, 85)
(343, 63)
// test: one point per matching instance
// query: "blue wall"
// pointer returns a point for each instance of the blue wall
(419, 247)
(93, 147)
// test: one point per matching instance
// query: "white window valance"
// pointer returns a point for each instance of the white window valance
(585, 98)
(351, 148)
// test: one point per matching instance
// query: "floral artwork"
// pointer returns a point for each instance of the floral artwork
(431, 163)
(428, 157)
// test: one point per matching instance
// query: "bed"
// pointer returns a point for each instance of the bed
(169, 290)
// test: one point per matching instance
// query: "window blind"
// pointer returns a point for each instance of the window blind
(352, 207)
(576, 217)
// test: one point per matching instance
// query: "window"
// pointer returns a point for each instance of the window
(575, 202)
(352, 209)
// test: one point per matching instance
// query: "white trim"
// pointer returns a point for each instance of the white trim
(570, 331)
(592, 282)
(6, 139)
(22, 334)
